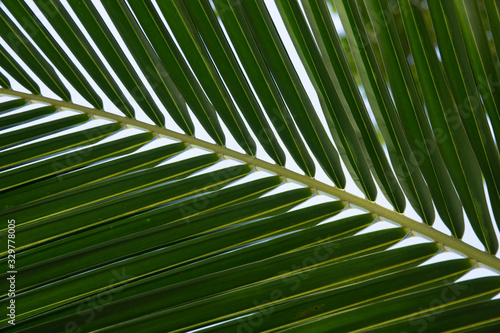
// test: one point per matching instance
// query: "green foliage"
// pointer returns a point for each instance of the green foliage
(135, 185)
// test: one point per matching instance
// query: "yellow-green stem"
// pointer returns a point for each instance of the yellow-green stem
(452, 243)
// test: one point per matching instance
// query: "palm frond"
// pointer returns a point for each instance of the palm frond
(162, 162)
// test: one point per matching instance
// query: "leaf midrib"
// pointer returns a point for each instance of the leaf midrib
(419, 228)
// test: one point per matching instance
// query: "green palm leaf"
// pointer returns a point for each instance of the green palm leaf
(172, 166)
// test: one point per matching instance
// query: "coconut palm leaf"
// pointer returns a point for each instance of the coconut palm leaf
(176, 166)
